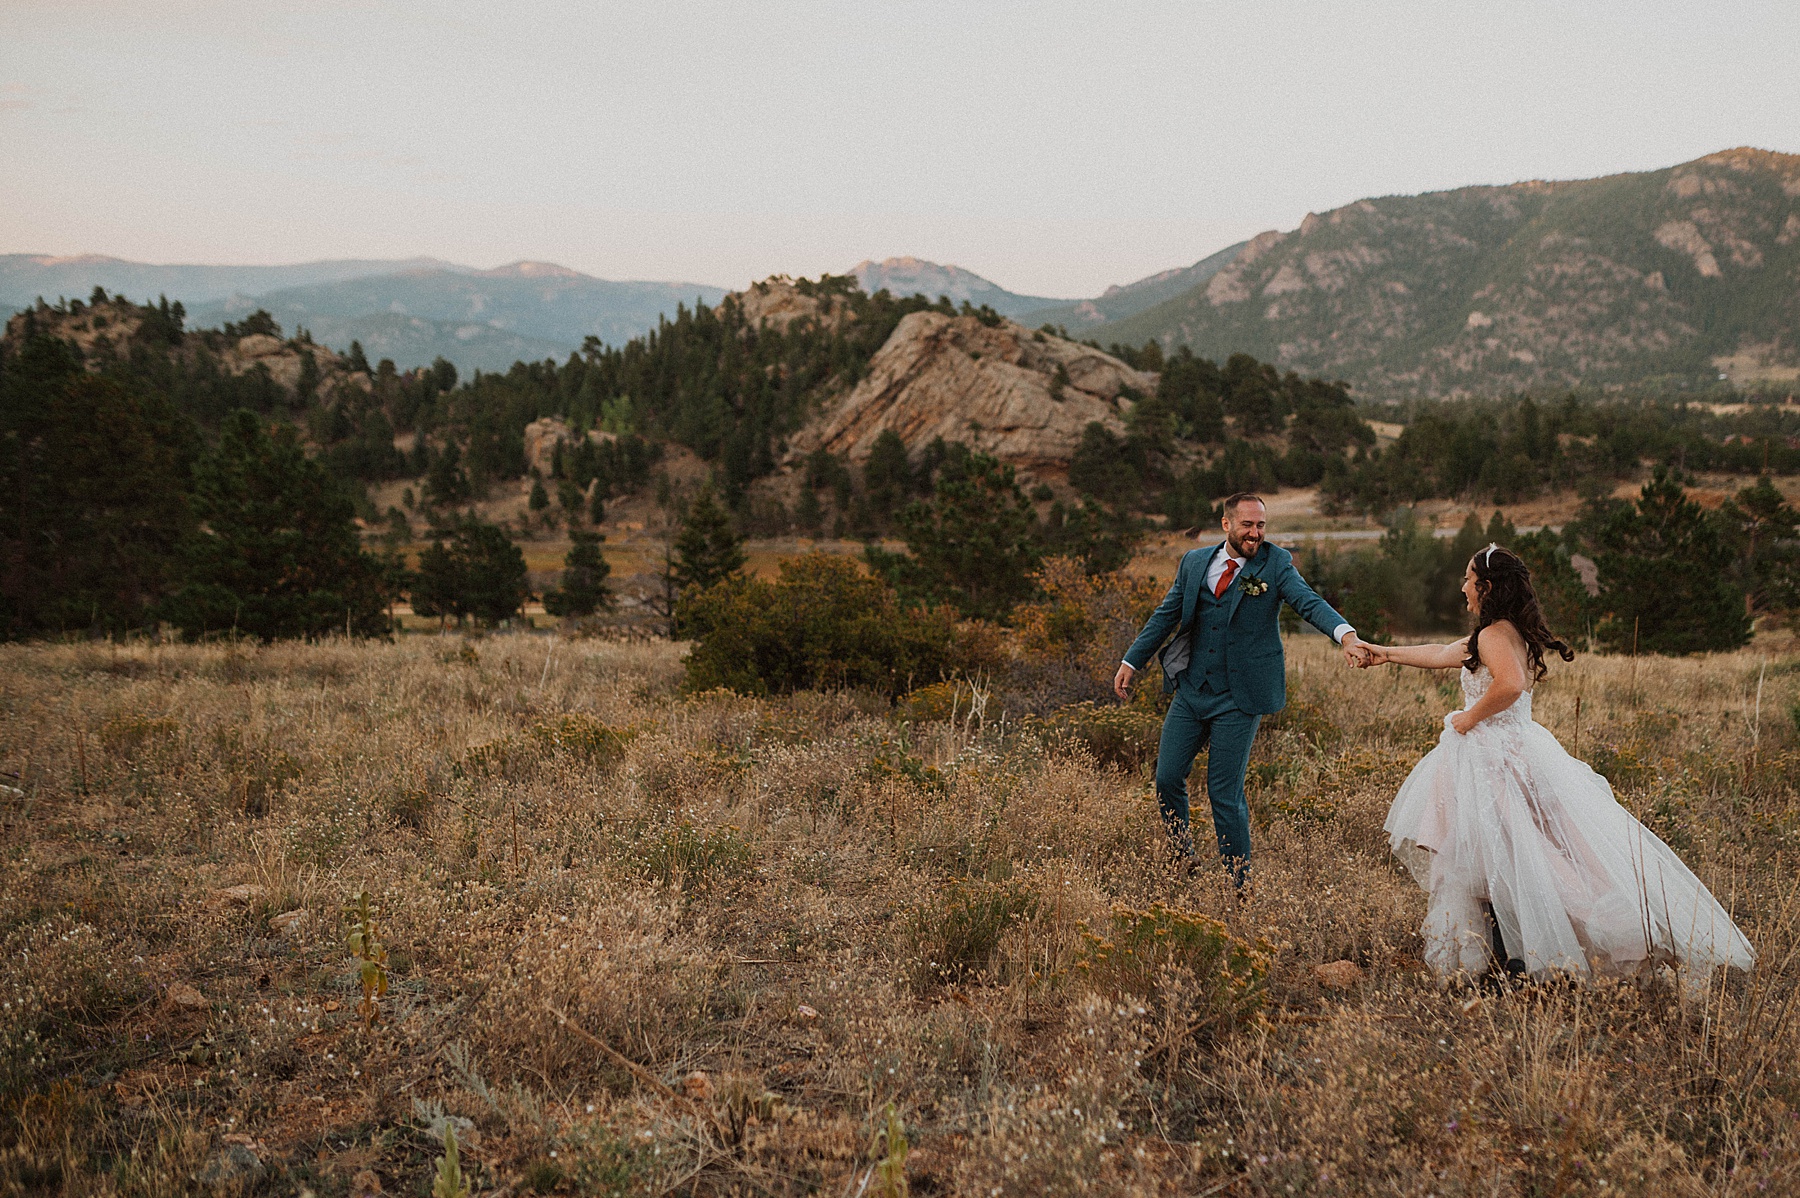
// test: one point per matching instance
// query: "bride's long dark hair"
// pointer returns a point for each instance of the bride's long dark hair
(1503, 584)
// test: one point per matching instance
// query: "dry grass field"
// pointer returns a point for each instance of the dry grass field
(639, 942)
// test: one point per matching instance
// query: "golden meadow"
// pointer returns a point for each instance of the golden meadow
(620, 939)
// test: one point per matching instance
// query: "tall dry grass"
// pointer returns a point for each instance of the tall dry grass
(652, 944)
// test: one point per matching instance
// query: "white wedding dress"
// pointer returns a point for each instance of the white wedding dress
(1503, 815)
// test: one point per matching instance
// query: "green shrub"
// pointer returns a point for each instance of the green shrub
(694, 859)
(582, 736)
(951, 699)
(495, 758)
(956, 934)
(1143, 950)
(1125, 736)
(1620, 765)
(1306, 720)
(823, 624)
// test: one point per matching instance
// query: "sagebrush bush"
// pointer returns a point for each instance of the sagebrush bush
(1141, 951)
(1116, 735)
(824, 623)
(957, 932)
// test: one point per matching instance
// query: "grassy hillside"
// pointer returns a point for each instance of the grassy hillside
(1117, 303)
(477, 319)
(640, 943)
(1663, 278)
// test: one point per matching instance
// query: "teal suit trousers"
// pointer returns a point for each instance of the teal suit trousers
(1199, 718)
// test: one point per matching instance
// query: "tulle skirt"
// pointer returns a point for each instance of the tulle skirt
(1503, 816)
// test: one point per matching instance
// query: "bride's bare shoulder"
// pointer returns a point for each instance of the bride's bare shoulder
(1501, 649)
(1505, 630)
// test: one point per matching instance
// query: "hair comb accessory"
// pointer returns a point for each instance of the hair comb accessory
(1488, 558)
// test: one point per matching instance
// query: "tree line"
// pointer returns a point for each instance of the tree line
(1664, 574)
(1504, 451)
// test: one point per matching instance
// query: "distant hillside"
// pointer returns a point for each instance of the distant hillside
(1665, 278)
(478, 319)
(412, 311)
(1117, 303)
(25, 277)
(914, 276)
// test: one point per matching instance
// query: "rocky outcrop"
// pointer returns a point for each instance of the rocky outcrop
(778, 302)
(542, 436)
(97, 330)
(1020, 396)
(284, 362)
(106, 329)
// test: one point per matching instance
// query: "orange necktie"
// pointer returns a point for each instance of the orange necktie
(1225, 579)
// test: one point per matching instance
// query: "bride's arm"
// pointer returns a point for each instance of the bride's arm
(1426, 657)
(1503, 653)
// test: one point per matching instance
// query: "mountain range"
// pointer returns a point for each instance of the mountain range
(484, 319)
(1676, 279)
(25, 277)
(914, 276)
(411, 310)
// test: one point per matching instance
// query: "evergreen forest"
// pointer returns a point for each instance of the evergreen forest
(146, 480)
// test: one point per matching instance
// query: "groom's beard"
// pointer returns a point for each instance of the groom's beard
(1244, 547)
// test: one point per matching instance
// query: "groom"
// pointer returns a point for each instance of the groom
(1226, 668)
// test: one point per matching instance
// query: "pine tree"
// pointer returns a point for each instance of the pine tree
(974, 545)
(496, 574)
(808, 513)
(584, 588)
(445, 482)
(276, 552)
(887, 476)
(92, 494)
(540, 498)
(1768, 556)
(479, 573)
(358, 360)
(438, 585)
(306, 388)
(707, 548)
(1666, 573)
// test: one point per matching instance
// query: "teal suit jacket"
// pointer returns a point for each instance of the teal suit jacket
(1253, 656)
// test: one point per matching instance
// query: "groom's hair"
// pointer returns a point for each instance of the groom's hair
(1232, 501)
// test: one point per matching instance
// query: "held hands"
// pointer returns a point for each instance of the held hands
(1356, 653)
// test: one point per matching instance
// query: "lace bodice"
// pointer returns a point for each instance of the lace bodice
(1475, 684)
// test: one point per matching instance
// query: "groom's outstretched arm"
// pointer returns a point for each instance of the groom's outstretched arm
(1315, 611)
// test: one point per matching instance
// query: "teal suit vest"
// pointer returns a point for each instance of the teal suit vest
(1234, 640)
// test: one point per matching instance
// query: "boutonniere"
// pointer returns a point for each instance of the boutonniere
(1252, 585)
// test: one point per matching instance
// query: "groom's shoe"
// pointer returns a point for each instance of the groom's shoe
(1187, 867)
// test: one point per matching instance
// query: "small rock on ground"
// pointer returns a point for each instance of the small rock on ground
(180, 994)
(1338, 975)
(234, 1163)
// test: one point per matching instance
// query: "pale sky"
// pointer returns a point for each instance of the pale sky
(1053, 147)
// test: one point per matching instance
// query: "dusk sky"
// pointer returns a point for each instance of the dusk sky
(1055, 148)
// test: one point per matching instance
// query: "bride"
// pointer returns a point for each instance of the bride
(1530, 863)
